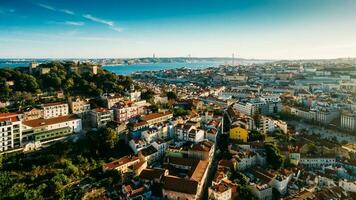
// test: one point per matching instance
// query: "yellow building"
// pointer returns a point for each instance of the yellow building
(238, 133)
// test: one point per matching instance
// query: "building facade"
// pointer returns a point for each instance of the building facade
(10, 131)
(99, 117)
(348, 121)
(52, 110)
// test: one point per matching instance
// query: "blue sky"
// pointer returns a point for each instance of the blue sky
(273, 29)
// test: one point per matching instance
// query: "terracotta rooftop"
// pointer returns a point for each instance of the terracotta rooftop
(45, 122)
(120, 162)
(9, 117)
(155, 115)
(203, 146)
(180, 185)
(199, 170)
(150, 174)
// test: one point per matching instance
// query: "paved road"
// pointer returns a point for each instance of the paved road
(323, 132)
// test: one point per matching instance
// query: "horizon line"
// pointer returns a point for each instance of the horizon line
(165, 57)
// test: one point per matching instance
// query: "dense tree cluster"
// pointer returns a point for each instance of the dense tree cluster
(147, 95)
(171, 95)
(103, 141)
(256, 136)
(243, 189)
(61, 77)
(180, 112)
(274, 157)
(54, 172)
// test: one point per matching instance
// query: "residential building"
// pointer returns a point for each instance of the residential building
(79, 106)
(317, 162)
(32, 113)
(49, 129)
(51, 110)
(348, 121)
(10, 131)
(111, 100)
(189, 133)
(266, 125)
(99, 117)
(282, 125)
(149, 154)
(126, 164)
(203, 150)
(189, 187)
(220, 191)
(238, 133)
(137, 144)
(161, 147)
(154, 118)
(126, 110)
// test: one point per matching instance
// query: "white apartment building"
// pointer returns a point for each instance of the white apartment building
(280, 183)
(111, 100)
(266, 125)
(317, 162)
(161, 147)
(99, 117)
(10, 131)
(245, 108)
(149, 135)
(124, 111)
(326, 116)
(79, 106)
(189, 133)
(50, 129)
(348, 121)
(51, 110)
(137, 144)
(55, 123)
(281, 125)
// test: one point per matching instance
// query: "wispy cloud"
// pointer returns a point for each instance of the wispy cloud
(48, 7)
(109, 23)
(73, 23)
(67, 11)
(95, 19)
(70, 23)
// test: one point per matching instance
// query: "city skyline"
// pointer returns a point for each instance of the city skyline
(120, 29)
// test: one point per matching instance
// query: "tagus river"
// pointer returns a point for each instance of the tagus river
(129, 69)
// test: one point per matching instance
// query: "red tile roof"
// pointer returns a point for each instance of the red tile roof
(9, 117)
(180, 185)
(155, 115)
(100, 109)
(120, 162)
(45, 122)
